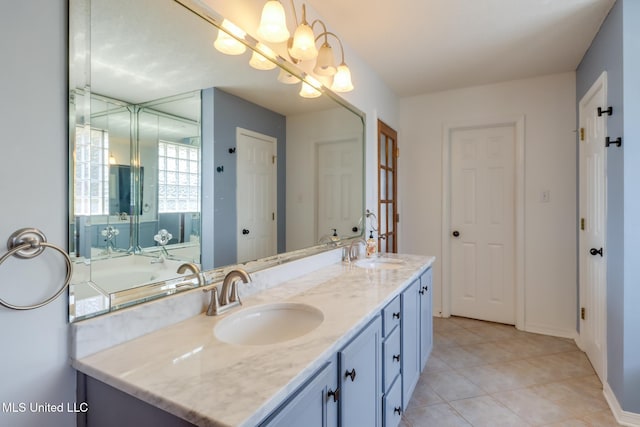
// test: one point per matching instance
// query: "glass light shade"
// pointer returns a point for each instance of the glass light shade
(342, 79)
(227, 44)
(273, 23)
(308, 91)
(304, 43)
(324, 63)
(260, 61)
(287, 78)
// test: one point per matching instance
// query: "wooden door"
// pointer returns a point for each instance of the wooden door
(387, 189)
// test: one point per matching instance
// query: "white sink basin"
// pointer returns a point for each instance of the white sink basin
(268, 324)
(380, 263)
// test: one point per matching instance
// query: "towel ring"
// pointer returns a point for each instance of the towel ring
(28, 243)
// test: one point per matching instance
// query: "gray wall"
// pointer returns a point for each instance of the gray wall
(230, 112)
(616, 49)
(34, 356)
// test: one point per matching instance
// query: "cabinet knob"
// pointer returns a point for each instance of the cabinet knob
(334, 393)
(421, 291)
(396, 357)
(396, 315)
(351, 374)
(397, 410)
(245, 231)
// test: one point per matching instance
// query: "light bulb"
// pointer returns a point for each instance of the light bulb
(273, 23)
(324, 63)
(227, 44)
(304, 43)
(259, 60)
(342, 79)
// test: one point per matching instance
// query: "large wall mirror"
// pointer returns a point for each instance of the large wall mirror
(179, 153)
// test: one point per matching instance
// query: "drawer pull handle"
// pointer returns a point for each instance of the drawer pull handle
(397, 410)
(351, 374)
(334, 393)
(396, 357)
(396, 315)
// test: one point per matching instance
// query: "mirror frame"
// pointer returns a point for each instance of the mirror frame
(80, 83)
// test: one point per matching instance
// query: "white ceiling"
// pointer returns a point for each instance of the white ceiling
(420, 46)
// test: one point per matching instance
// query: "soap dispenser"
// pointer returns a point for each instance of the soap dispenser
(334, 236)
(372, 245)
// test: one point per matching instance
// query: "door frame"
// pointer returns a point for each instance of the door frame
(518, 122)
(601, 81)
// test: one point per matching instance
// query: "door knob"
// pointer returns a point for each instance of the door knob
(595, 251)
(456, 233)
(245, 231)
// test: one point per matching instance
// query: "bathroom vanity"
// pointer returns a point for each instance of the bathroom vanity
(364, 334)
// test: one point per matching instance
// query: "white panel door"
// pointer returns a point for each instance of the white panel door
(483, 223)
(256, 195)
(339, 185)
(592, 225)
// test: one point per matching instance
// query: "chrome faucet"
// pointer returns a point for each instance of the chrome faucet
(352, 255)
(228, 297)
(189, 266)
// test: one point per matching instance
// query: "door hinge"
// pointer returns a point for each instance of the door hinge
(273, 160)
(273, 216)
(582, 224)
(397, 152)
(583, 313)
(397, 217)
(581, 134)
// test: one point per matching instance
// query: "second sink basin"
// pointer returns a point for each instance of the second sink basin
(380, 263)
(268, 324)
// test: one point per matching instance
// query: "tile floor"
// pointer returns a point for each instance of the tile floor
(486, 374)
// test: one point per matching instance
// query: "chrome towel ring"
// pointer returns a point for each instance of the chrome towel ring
(28, 243)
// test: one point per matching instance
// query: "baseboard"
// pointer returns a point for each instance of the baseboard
(546, 330)
(624, 418)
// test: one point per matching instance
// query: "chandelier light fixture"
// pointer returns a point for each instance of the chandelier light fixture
(301, 47)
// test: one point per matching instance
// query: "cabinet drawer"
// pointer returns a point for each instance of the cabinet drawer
(392, 405)
(391, 357)
(391, 316)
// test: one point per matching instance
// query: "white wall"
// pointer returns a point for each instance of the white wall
(34, 352)
(548, 105)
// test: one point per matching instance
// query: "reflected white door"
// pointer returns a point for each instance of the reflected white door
(483, 223)
(256, 195)
(592, 225)
(339, 188)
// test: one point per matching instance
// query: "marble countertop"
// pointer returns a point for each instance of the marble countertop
(185, 370)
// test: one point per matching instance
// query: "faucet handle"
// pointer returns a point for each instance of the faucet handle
(214, 304)
(234, 293)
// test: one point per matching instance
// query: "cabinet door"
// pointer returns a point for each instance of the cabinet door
(360, 379)
(426, 317)
(410, 304)
(314, 405)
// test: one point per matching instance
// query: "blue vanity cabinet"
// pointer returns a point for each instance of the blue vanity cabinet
(410, 340)
(426, 316)
(315, 404)
(360, 378)
(391, 357)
